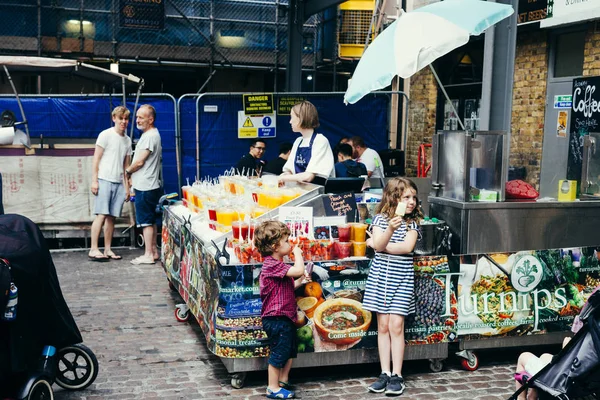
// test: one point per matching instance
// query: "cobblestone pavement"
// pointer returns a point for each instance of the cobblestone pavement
(125, 313)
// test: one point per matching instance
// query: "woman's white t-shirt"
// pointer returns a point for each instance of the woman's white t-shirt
(321, 160)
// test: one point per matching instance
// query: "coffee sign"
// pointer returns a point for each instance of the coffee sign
(585, 118)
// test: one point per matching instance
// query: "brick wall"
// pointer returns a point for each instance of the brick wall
(529, 103)
(591, 53)
(421, 116)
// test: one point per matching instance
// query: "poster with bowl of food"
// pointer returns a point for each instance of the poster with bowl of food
(489, 305)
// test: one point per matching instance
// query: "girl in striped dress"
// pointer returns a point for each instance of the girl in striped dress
(390, 285)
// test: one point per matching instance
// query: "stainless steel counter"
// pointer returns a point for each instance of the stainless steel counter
(479, 227)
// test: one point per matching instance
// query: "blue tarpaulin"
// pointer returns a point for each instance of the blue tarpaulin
(84, 117)
(220, 147)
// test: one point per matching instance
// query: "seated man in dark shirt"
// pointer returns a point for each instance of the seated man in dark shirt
(346, 167)
(275, 167)
(251, 164)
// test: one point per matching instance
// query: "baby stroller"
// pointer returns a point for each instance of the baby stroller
(574, 373)
(40, 343)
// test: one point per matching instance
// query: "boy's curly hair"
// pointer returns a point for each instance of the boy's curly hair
(267, 236)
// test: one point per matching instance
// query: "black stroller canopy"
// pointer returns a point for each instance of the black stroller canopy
(43, 317)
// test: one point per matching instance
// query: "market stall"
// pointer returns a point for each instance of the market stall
(526, 266)
(221, 290)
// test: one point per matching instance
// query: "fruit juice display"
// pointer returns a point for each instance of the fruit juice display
(343, 249)
(288, 195)
(185, 190)
(240, 230)
(225, 216)
(258, 211)
(351, 230)
(359, 232)
(344, 233)
(251, 227)
(359, 249)
(196, 199)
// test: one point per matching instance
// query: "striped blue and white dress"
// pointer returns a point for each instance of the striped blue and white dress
(391, 283)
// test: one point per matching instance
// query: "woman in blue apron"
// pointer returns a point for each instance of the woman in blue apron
(311, 159)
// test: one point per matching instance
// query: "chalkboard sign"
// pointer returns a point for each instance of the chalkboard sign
(585, 118)
(341, 204)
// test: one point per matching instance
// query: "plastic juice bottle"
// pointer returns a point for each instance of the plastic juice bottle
(262, 198)
(359, 232)
(258, 211)
(288, 195)
(344, 233)
(274, 200)
(185, 190)
(225, 216)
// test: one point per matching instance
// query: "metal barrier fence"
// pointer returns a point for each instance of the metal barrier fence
(80, 118)
(222, 32)
(209, 125)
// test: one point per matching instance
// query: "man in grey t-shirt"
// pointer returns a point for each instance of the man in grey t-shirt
(145, 180)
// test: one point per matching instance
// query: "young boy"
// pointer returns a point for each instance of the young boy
(346, 167)
(279, 311)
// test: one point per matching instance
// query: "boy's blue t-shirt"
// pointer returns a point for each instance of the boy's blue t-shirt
(350, 169)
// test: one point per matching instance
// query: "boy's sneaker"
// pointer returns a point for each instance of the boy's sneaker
(380, 384)
(396, 386)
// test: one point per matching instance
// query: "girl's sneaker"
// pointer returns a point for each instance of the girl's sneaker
(396, 386)
(380, 384)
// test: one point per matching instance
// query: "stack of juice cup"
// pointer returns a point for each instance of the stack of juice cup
(359, 239)
(343, 247)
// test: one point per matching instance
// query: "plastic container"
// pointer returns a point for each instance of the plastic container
(343, 249)
(359, 232)
(344, 233)
(359, 249)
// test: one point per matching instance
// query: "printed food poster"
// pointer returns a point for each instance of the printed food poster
(529, 292)
(561, 124)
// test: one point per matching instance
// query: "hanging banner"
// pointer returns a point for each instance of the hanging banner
(142, 15)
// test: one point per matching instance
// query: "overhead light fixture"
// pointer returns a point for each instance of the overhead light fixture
(76, 21)
(309, 78)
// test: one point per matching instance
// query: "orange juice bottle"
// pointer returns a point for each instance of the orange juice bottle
(225, 216)
(274, 200)
(258, 211)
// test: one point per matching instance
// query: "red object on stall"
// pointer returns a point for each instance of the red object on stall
(422, 166)
(518, 189)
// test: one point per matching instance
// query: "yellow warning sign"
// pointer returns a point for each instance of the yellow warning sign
(248, 123)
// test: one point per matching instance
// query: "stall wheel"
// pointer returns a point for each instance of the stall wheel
(436, 364)
(77, 367)
(41, 390)
(182, 312)
(139, 240)
(237, 380)
(471, 363)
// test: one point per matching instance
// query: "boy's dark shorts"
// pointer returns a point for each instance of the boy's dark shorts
(281, 332)
(145, 206)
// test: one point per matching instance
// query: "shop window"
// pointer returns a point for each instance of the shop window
(568, 56)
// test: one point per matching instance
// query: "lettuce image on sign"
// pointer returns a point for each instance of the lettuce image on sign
(526, 274)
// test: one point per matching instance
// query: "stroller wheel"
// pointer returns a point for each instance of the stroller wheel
(77, 367)
(41, 390)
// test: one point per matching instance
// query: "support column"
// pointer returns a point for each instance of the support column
(498, 73)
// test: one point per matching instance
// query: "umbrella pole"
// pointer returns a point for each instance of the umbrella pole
(437, 78)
